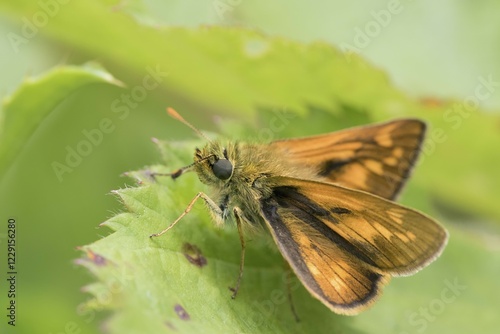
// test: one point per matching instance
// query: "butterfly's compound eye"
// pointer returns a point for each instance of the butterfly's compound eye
(223, 169)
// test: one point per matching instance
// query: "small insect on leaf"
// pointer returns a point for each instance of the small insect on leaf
(327, 202)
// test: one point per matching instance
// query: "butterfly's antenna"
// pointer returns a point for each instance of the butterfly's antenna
(174, 114)
(182, 170)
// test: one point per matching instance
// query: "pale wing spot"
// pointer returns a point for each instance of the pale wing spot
(396, 215)
(337, 283)
(374, 166)
(411, 236)
(403, 237)
(391, 161)
(384, 140)
(398, 152)
(367, 230)
(382, 230)
(313, 269)
(357, 175)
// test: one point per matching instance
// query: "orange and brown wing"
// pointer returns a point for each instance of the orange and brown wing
(377, 158)
(345, 244)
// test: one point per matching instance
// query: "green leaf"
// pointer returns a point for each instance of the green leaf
(237, 71)
(462, 145)
(25, 111)
(225, 69)
(153, 286)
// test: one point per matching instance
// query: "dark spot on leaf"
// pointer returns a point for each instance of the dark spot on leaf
(340, 211)
(193, 255)
(170, 325)
(181, 312)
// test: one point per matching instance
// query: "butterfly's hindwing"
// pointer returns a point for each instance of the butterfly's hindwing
(344, 244)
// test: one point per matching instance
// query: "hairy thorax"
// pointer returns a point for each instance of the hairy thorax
(254, 166)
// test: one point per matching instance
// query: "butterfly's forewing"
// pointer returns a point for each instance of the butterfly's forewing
(345, 244)
(376, 159)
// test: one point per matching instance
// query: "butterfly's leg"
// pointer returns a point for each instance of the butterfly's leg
(238, 214)
(211, 204)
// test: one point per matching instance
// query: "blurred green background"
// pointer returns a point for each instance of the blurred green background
(68, 65)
